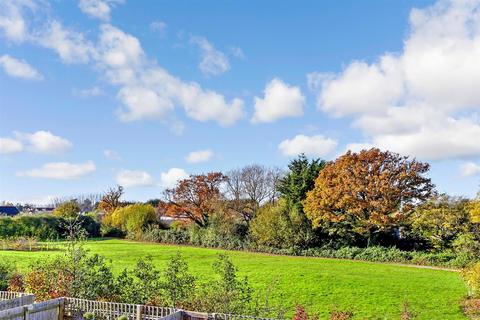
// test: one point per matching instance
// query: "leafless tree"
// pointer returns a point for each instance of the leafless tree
(111, 199)
(86, 201)
(250, 187)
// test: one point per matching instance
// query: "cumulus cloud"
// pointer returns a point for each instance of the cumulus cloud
(44, 142)
(71, 46)
(60, 170)
(280, 101)
(131, 178)
(213, 62)
(148, 91)
(469, 169)
(416, 102)
(99, 9)
(199, 156)
(317, 145)
(9, 146)
(170, 178)
(145, 89)
(19, 68)
(12, 21)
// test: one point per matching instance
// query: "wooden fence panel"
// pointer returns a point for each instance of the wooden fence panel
(17, 302)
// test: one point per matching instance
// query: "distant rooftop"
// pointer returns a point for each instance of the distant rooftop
(8, 211)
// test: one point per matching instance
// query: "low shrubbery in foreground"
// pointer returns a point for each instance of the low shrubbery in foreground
(82, 275)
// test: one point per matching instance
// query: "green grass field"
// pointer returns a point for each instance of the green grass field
(370, 290)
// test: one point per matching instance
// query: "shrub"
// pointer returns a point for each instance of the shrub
(6, 272)
(16, 283)
(141, 285)
(471, 275)
(133, 219)
(178, 283)
(226, 293)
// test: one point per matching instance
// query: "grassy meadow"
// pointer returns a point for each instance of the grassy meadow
(370, 290)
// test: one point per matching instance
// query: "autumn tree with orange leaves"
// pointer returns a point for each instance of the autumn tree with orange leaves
(367, 192)
(194, 198)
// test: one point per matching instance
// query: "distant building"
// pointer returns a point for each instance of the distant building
(8, 211)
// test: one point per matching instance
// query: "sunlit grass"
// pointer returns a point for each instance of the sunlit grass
(370, 290)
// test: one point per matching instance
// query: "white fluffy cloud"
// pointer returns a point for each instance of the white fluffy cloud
(19, 68)
(12, 22)
(44, 142)
(199, 156)
(469, 169)
(280, 101)
(60, 170)
(71, 46)
(169, 178)
(145, 89)
(40, 142)
(213, 62)
(317, 146)
(131, 178)
(417, 102)
(8, 146)
(99, 9)
(148, 91)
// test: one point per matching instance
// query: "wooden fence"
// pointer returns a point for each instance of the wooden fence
(17, 302)
(20, 306)
(113, 310)
(6, 295)
(47, 310)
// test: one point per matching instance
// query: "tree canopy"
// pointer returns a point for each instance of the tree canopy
(367, 191)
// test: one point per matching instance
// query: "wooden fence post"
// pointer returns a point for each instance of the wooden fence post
(139, 312)
(61, 309)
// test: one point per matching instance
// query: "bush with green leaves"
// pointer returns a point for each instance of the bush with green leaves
(178, 284)
(227, 293)
(6, 272)
(141, 285)
(133, 219)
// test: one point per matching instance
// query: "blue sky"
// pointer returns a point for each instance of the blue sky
(99, 92)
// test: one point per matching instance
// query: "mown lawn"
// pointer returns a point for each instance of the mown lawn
(370, 290)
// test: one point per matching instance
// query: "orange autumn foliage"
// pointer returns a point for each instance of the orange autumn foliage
(194, 198)
(367, 191)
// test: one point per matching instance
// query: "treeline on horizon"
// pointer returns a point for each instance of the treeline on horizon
(368, 199)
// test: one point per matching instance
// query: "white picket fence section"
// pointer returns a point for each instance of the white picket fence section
(21, 306)
(113, 310)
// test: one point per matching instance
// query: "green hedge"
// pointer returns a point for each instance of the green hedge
(42, 227)
(205, 237)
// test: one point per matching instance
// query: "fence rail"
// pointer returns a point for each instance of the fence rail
(113, 310)
(7, 295)
(47, 310)
(16, 302)
(74, 308)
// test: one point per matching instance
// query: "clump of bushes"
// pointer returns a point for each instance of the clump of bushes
(132, 219)
(471, 275)
(43, 227)
(82, 275)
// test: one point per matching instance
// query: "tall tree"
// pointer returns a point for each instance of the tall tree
(441, 219)
(367, 192)
(293, 188)
(194, 198)
(300, 179)
(250, 187)
(111, 199)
